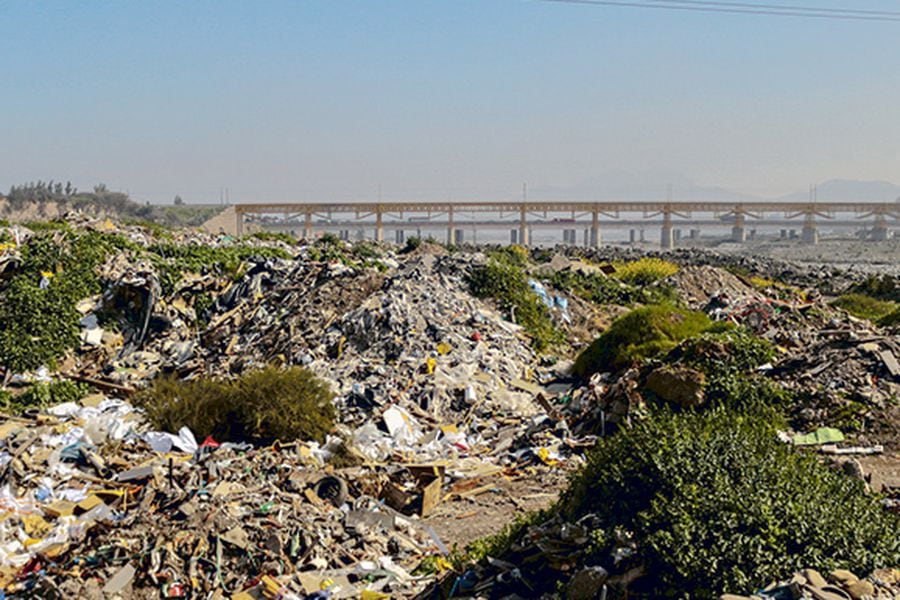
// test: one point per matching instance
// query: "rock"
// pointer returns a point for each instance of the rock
(859, 589)
(587, 583)
(681, 385)
(814, 578)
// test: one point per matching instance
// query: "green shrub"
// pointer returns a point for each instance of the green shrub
(412, 244)
(890, 320)
(718, 504)
(261, 406)
(602, 289)
(865, 307)
(642, 333)
(38, 326)
(886, 287)
(42, 395)
(644, 271)
(274, 236)
(732, 352)
(504, 279)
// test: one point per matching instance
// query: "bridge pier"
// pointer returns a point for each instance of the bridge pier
(738, 234)
(451, 230)
(524, 238)
(379, 225)
(880, 230)
(667, 238)
(307, 226)
(595, 229)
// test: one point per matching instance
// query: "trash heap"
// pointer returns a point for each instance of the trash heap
(94, 504)
(438, 396)
(840, 584)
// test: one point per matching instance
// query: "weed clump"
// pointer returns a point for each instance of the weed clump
(865, 307)
(38, 320)
(644, 271)
(642, 333)
(602, 289)
(504, 279)
(261, 406)
(717, 503)
(42, 395)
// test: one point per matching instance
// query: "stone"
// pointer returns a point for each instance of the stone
(860, 589)
(814, 578)
(587, 583)
(681, 385)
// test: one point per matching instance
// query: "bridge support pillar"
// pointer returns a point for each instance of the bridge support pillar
(239, 223)
(524, 238)
(513, 236)
(880, 230)
(810, 233)
(667, 238)
(451, 229)
(595, 229)
(307, 226)
(738, 234)
(379, 225)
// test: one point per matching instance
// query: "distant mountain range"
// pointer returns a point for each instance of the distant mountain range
(634, 187)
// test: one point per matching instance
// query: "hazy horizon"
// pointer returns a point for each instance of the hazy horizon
(334, 101)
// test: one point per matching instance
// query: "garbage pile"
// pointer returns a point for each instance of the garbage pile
(437, 393)
(840, 584)
(94, 504)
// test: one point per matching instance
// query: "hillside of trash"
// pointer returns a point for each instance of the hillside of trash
(187, 415)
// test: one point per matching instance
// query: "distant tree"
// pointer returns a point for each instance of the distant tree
(179, 201)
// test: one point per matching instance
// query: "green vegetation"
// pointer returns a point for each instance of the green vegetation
(261, 406)
(890, 320)
(38, 320)
(886, 287)
(42, 395)
(865, 307)
(173, 260)
(102, 200)
(602, 289)
(728, 361)
(505, 280)
(412, 243)
(718, 504)
(274, 236)
(38, 326)
(642, 333)
(644, 271)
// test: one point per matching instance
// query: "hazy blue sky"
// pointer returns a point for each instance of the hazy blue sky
(327, 100)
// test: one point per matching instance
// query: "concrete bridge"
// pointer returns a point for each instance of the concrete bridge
(570, 217)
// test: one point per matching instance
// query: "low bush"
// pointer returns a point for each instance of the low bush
(504, 279)
(717, 503)
(274, 236)
(412, 244)
(890, 320)
(644, 271)
(601, 289)
(42, 395)
(865, 307)
(885, 287)
(261, 406)
(642, 333)
(39, 324)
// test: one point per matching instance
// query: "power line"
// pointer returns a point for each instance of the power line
(780, 7)
(728, 8)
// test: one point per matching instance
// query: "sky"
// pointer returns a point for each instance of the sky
(336, 100)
